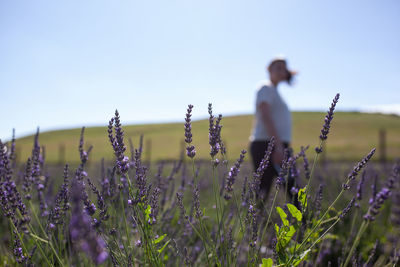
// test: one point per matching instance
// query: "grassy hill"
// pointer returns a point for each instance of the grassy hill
(352, 136)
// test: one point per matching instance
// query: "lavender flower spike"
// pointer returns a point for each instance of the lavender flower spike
(347, 209)
(263, 166)
(358, 168)
(214, 132)
(382, 196)
(190, 149)
(230, 180)
(117, 142)
(359, 188)
(327, 125)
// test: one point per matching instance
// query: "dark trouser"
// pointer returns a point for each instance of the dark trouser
(257, 150)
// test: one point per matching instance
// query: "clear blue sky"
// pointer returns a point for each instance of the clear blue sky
(72, 63)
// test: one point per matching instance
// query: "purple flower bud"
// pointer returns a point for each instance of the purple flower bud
(328, 119)
(347, 209)
(294, 190)
(233, 173)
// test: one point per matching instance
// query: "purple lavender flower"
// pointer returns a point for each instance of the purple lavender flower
(360, 185)
(117, 142)
(141, 183)
(36, 157)
(83, 236)
(230, 179)
(26, 186)
(347, 209)
(380, 198)
(56, 216)
(154, 204)
(196, 201)
(294, 190)
(395, 214)
(328, 120)
(103, 215)
(244, 195)
(12, 155)
(214, 132)
(18, 253)
(11, 200)
(190, 149)
(287, 162)
(352, 175)
(263, 166)
(374, 190)
(359, 189)
(179, 197)
(253, 223)
(306, 164)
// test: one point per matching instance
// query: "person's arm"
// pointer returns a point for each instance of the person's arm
(277, 155)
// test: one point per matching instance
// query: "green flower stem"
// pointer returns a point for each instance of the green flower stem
(37, 218)
(204, 242)
(216, 201)
(46, 258)
(124, 217)
(119, 249)
(238, 211)
(269, 216)
(202, 239)
(202, 227)
(311, 175)
(363, 227)
(321, 236)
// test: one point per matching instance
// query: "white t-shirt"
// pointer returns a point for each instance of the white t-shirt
(280, 114)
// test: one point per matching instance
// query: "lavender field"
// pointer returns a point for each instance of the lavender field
(196, 212)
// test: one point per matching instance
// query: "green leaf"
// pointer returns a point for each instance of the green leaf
(147, 212)
(287, 236)
(295, 212)
(158, 240)
(161, 249)
(267, 262)
(283, 216)
(276, 227)
(39, 238)
(302, 197)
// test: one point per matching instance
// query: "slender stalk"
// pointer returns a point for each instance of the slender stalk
(311, 175)
(363, 227)
(238, 211)
(216, 202)
(37, 218)
(40, 247)
(321, 236)
(269, 216)
(124, 217)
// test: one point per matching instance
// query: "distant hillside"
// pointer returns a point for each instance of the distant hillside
(352, 136)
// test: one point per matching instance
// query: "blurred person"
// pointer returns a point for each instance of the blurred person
(272, 118)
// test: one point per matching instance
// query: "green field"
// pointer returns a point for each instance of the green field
(352, 136)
